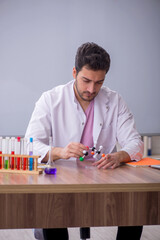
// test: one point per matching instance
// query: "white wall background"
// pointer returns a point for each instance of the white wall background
(39, 39)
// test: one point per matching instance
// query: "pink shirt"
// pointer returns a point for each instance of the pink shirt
(87, 135)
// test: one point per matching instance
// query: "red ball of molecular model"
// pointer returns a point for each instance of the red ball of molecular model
(94, 152)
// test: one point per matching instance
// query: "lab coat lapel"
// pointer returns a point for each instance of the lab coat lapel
(100, 110)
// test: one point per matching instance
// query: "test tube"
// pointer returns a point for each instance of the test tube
(12, 152)
(18, 151)
(24, 153)
(1, 139)
(31, 153)
(6, 159)
(149, 146)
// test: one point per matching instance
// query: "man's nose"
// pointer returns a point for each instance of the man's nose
(91, 88)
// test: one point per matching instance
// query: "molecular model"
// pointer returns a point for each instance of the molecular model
(94, 152)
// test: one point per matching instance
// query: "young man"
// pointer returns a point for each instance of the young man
(85, 113)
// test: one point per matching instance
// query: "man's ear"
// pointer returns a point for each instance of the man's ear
(74, 72)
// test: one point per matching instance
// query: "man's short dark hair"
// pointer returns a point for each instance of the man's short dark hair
(93, 57)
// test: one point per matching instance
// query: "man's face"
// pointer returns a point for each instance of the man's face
(88, 83)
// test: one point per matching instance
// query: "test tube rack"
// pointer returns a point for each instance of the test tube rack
(21, 169)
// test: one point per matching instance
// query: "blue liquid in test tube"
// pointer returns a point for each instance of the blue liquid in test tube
(30, 153)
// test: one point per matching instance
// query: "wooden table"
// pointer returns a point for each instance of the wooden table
(79, 196)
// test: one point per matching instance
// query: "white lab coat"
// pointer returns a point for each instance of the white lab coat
(58, 113)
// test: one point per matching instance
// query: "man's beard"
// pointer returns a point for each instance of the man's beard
(81, 96)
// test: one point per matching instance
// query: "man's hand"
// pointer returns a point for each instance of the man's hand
(112, 160)
(73, 149)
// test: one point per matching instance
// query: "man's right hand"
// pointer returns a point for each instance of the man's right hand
(73, 149)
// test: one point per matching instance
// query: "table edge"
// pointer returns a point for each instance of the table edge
(80, 188)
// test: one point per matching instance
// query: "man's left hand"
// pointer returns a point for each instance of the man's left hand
(112, 160)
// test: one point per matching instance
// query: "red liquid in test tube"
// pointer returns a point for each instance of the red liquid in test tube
(24, 163)
(24, 153)
(0, 160)
(1, 152)
(12, 161)
(18, 152)
(12, 152)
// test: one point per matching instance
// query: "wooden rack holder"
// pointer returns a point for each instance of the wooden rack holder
(14, 157)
